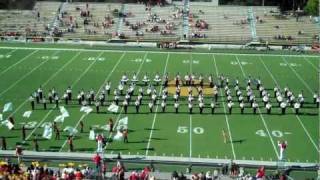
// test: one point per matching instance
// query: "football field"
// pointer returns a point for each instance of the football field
(250, 136)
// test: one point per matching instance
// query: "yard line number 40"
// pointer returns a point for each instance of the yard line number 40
(274, 133)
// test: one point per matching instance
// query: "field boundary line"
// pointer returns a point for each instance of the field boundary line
(299, 77)
(155, 115)
(54, 75)
(261, 116)
(75, 156)
(22, 59)
(25, 75)
(225, 111)
(275, 81)
(120, 113)
(177, 52)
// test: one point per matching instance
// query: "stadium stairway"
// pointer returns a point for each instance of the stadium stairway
(251, 18)
(120, 20)
(55, 22)
(185, 24)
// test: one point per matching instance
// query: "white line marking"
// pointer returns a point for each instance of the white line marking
(105, 50)
(114, 67)
(80, 77)
(299, 77)
(48, 80)
(24, 76)
(261, 116)
(26, 57)
(155, 115)
(56, 73)
(314, 67)
(39, 124)
(224, 108)
(118, 117)
(276, 82)
(84, 115)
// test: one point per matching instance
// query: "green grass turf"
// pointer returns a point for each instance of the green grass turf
(157, 133)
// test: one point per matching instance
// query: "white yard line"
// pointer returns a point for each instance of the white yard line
(164, 52)
(307, 133)
(113, 69)
(120, 113)
(261, 116)
(314, 67)
(155, 114)
(276, 82)
(48, 80)
(225, 112)
(22, 59)
(110, 73)
(80, 77)
(39, 124)
(299, 77)
(25, 75)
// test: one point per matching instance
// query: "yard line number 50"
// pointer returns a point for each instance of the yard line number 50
(185, 129)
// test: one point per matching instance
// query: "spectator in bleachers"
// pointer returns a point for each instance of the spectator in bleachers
(260, 173)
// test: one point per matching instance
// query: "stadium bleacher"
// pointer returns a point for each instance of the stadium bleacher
(224, 24)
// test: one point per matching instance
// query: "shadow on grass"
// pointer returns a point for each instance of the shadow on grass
(11, 137)
(150, 129)
(149, 149)
(133, 142)
(240, 141)
(154, 138)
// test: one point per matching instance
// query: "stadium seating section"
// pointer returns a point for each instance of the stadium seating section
(208, 23)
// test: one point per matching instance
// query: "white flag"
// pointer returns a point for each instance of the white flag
(113, 108)
(86, 109)
(118, 136)
(47, 133)
(92, 135)
(59, 119)
(8, 107)
(64, 112)
(123, 123)
(71, 130)
(27, 114)
(8, 124)
(1, 117)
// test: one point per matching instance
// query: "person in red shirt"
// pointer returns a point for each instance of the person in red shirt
(78, 175)
(260, 172)
(97, 161)
(134, 176)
